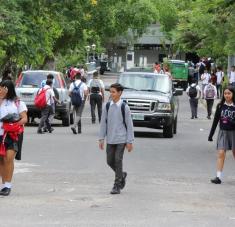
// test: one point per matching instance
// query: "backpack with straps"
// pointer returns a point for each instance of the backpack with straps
(76, 98)
(40, 100)
(210, 92)
(95, 86)
(192, 92)
(123, 106)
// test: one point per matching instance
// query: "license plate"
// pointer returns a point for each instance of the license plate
(138, 117)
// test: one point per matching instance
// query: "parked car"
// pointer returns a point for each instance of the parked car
(152, 100)
(28, 84)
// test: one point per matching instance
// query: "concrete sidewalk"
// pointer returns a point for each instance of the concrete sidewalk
(216, 101)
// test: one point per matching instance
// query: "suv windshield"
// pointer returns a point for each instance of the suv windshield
(34, 79)
(146, 82)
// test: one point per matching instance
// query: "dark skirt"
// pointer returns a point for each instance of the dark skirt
(14, 145)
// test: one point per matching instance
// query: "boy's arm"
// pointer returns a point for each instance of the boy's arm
(129, 124)
(103, 125)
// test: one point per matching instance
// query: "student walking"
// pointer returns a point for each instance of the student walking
(14, 111)
(210, 93)
(117, 128)
(78, 92)
(232, 76)
(194, 93)
(96, 91)
(219, 81)
(205, 80)
(225, 115)
(47, 110)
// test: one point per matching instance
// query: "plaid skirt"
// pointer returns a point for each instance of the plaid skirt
(226, 140)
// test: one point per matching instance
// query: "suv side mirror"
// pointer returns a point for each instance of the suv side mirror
(178, 91)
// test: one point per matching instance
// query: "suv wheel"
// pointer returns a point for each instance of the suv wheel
(175, 125)
(168, 131)
(66, 120)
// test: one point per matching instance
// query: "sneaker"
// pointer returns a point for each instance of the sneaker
(51, 130)
(124, 175)
(5, 191)
(40, 131)
(115, 190)
(216, 180)
(73, 130)
(45, 130)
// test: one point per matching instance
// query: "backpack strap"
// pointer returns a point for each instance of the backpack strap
(123, 106)
(78, 85)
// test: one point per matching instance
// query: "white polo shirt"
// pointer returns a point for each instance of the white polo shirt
(83, 87)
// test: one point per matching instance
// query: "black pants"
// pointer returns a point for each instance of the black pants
(114, 159)
(96, 99)
(219, 91)
(209, 103)
(45, 113)
(193, 105)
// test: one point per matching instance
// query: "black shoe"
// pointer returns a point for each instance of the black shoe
(196, 117)
(5, 191)
(216, 180)
(45, 130)
(79, 131)
(50, 130)
(73, 130)
(124, 175)
(192, 117)
(115, 190)
(40, 131)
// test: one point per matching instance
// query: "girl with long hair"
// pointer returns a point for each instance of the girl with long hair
(225, 116)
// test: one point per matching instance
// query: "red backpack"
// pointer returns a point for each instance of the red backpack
(40, 100)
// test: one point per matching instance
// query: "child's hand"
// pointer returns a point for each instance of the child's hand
(101, 144)
(129, 147)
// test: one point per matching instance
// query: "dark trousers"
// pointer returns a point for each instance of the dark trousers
(193, 105)
(114, 159)
(219, 90)
(209, 103)
(45, 113)
(96, 99)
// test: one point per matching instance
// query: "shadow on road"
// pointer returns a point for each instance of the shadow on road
(148, 134)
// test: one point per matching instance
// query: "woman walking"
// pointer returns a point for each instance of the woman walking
(225, 115)
(13, 115)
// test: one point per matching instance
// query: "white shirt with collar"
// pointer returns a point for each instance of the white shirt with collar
(118, 103)
(83, 87)
(232, 77)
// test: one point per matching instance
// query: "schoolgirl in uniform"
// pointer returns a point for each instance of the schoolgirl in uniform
(225, 115)
(9, 105)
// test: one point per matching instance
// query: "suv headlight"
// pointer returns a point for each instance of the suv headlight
(164, 106)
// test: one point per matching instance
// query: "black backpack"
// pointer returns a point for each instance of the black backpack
(192, 92)
(76, 98)
(122, 109)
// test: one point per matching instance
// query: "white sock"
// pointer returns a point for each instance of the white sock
(7, 184)
(219, 174)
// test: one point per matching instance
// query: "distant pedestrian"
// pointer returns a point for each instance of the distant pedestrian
(96, 92)
(78, 91)
(225, 116)
(48, 109)
(13, 113)
(210, 93)
(219, 81)
(205, 80)
(232, 76)
(194, 93)
(117, 127)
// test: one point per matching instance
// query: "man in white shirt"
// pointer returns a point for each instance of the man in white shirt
(46, 111)
(232, 76)
(205, 80)
(96, 91)
(219, 80)
(78, 109)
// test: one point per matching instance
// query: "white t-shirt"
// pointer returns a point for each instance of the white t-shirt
(10, 107)
(205, 78)
(83, 87)
(49, 94)
(219, 76)
(198, 90)
(97, 83)
(232, 77)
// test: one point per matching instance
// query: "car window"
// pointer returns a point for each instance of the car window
(145, 82)
(34, 79)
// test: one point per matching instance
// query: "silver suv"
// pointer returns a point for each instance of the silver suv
(28, 84)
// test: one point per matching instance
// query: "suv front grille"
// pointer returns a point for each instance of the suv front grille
(138, 105)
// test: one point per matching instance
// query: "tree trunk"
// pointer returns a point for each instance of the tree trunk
(49, 63)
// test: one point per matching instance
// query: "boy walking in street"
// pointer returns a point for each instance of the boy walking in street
(117, 127)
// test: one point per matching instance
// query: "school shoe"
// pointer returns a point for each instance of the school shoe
(40, 131)
(216, 180)
(73, 130)
(5, 191)
(115, 190)
(208, 117)
(45, 130)
(50, 130)
(124, 175)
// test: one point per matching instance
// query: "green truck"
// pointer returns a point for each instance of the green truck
(179, 72)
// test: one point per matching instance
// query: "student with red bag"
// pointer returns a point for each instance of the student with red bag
(13, 115)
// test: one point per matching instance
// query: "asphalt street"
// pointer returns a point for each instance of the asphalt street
(63, 179)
